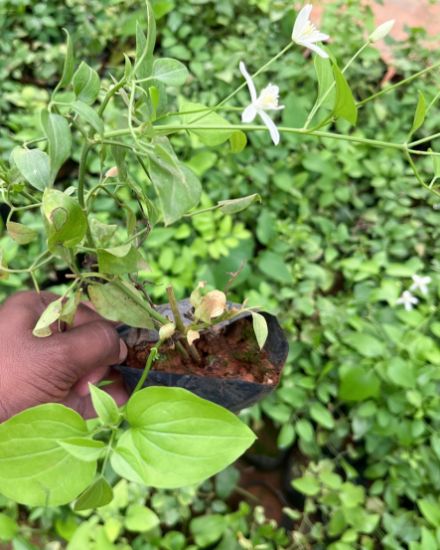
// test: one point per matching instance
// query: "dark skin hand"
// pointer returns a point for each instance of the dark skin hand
(56, 369)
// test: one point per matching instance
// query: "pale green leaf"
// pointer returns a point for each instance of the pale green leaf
(105, 406)
(233, 206)
(170, 71)
(86, 83)
(420, 114)
(34, 166)
(34, 469)
(88, 450)
(140, 519)
(204, 118)
(88, 115)
(176, 438)
(260, 328)
(69, 63)
(57, 131)
(21, 233)
(50, 315)
(326, 81)
(345, 105)
(115, 304)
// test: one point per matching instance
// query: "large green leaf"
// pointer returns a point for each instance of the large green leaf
(66, 223)
(34, 468)
(177, 186)
(345, 105)
(204, 118)
(88, 115)
(176, 438)
(59, 138)
(34, 166)
(115, 304)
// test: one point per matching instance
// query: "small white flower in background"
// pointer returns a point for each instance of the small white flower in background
(266, 101)
(381, 31)
(306, 34)
(407, 300)
(420, 283)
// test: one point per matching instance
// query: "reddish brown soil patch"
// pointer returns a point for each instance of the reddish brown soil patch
(231, 352)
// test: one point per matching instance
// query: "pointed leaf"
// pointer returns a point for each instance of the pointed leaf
(420, 114)
(205, 118)
(82, 448)
(345, 105)
(105, 406)
(33, 165)
(118, 260)
(34, 469)
(326, 81)
(260, 328)
(177, 438)
(69, 63)
(233, 206)
(98, 494)
(57, 131)
(88, 115)
(86, 83)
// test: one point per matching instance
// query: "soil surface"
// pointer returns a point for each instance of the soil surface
(231, 352)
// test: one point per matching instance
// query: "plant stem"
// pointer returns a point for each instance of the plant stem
(401, 83)
(110, 93)
(151, 357)
(180, 325)
(424, 140)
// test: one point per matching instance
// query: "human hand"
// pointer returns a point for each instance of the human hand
(57, 368)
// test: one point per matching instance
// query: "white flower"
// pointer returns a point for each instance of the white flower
(407, 300)
(266, 101)
(306, 34)
(420, 283)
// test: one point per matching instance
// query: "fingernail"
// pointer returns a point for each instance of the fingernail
(123, 351)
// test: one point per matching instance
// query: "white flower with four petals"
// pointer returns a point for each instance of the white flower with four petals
(407, 300)
(306, 34)
(266, 101)
(421, 283)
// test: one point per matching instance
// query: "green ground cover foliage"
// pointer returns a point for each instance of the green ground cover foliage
(338, 235)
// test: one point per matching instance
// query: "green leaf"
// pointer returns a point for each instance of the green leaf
(307, 485)
(260, 328)
(237, 141)
(170, 71)
(57, 131)
(322, 416)
(430, 510)
(436, 165)
(345, 105)
(118, 260)
(116, 305)
(34, 469)
(420, 114)
(65, 221)
(69, 63)
(88, 450)
(358, 384)
(102, 232)
(88, 115)
(105, 406)
(286, 437)
(33, 165)
(208, 529)
(273, 265)
(145, 45)
(366, 345)
(20, 233)
(140, 519)
(8, 528)
(177, 187)
(50, 315)
(326, 80)
(206, 118)
(233, 206)
(86, 83)
(177, 439)
(98, 494)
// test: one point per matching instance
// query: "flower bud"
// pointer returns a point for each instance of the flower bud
(381, 31)
(112, 172)
(166, 331)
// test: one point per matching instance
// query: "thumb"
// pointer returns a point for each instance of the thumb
(90, 346)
